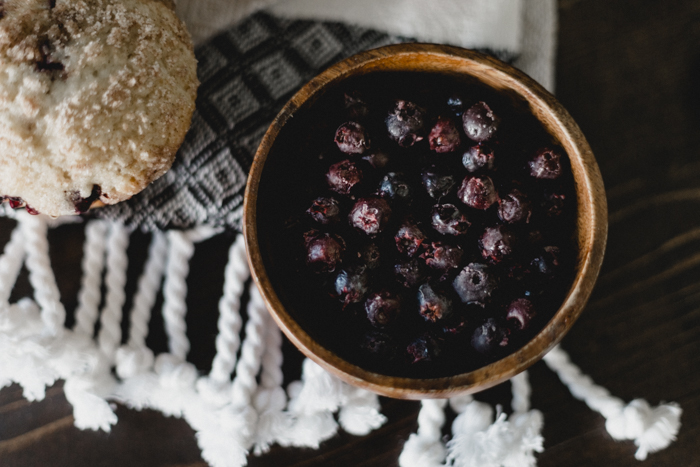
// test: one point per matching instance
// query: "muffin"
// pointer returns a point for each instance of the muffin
(95, 99)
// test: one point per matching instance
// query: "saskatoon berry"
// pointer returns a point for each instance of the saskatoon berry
(475, 283)
(480, 123)
(520, 313)
(355, 105)
(547, 262)
(444, 137)
(410, 273)
(514, 207)
(478, 157)
(433, 306)
(382, 308)
(553, 204)
(377, 159)
(448, 220)
(352, 138)
(456, 104)
(442, 257)
(370, 215)
(379, 344)
(343, 176)
(405, 123)
(351, 285)
(424, 349)
(323, 250)
(83, 204)
(455, 324)
(546, 164)
(436, 183)
(371, 256)
(394, 187)
(409, 239)
(478, 192)
(496, 243)
(324, 210)
(489, 337)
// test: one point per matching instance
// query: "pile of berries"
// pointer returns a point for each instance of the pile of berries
(441, 229)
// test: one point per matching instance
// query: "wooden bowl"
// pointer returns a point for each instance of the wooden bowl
(591, 215)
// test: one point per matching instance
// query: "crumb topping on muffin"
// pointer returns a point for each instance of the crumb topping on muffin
(95, 99)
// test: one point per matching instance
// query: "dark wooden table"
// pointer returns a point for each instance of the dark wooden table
(629, 73)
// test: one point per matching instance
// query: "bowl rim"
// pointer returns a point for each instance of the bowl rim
(590, 194)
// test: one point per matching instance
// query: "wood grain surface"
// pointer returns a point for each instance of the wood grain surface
(629, 73)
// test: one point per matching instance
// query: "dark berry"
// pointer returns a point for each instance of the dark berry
(406, 123)
(553, 204)
(47, 62)
(377, 159)
(442, 257)
(424, 349)
(475, 283)
(409, 239)
(394, 186)
(383, 308)
(324, 210)
(376, 343)
(497, 243)
(437, 183)
(546, 164)
(351, 285)
(547, 262)
(352, 138)
(455, 324)
(444, 137)
(456, 104)
(324, 251)
(520, 312)
(355, 105)
(489, 338)
(370, 215)
(478, 192)
(448, 220)
(83, 204)
(514, 207)
(478, 157)
(410, 273)
(480, 123)
(343, 176)
(371, 256)
(15, 202)
(433, 306)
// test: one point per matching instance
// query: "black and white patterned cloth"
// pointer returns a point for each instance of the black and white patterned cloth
(247, 74)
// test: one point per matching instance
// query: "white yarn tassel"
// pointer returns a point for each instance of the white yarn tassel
(479, 441)
(10, 265)
(226, 439)
(175, 292)
(652, 429)
(110, 334)
(90, 290)
(41, 276)
(216, 386)
(425, 448)
(312, 402)
(134, 357)
(270, 400)
(360, 412)
(22, 358)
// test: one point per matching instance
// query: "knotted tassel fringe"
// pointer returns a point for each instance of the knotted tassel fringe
(231, 413)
